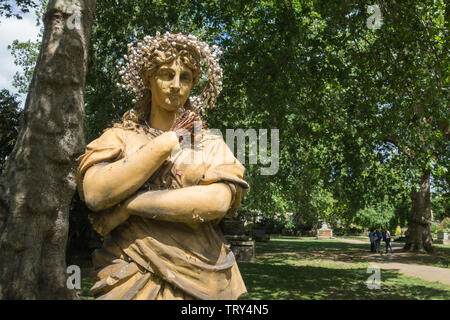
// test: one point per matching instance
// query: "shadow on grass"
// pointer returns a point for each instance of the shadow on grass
(348, 252)
(280, 281)
(284, 244)
(289, 268)
(292, 268)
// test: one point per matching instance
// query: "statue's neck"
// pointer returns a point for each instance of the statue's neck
(161, 119)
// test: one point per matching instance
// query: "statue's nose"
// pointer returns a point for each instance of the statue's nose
(175, 85)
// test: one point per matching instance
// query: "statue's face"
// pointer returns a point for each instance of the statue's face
(171, 85)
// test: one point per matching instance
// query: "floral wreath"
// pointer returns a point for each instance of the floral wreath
(138, 60)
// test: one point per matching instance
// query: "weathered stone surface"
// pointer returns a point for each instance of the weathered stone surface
(443, 238)
(324, 232)
(244, 251)
(259, 234)
(232, 227)
(443, 235)
(236, 237)
(155, 240)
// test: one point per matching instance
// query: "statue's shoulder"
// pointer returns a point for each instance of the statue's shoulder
(113, 130)
(109, 136)
(119, 130)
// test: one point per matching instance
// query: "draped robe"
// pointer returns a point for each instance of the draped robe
(151, 259)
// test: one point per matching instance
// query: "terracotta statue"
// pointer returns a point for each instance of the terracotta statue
(158, 212)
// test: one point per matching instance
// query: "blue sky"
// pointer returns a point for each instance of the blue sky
(10, 30)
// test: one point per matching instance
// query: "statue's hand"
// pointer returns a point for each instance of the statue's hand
(104, 222)
(184, 122)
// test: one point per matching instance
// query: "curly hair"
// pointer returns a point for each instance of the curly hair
(137, 117)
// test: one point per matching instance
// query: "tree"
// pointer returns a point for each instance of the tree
(351, 104)
(404, 63)
(39, 179)
(376, 217)
(314, 70)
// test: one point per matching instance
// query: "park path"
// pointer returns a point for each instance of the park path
(391, 262)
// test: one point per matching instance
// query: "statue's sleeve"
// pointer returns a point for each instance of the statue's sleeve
(108, 147)
(222, 166)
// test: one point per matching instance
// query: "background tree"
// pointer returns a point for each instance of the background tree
(39, 179)
(362, 113)
(378, 217)
(401, 69)
(26, 53)
(314, 70)
(22, 6)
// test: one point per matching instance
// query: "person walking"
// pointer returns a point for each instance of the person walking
(378, 237)
(372, 240)
(388, 241)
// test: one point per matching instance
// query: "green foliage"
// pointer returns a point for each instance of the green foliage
(443, 226)
(402, 212)
(305, 268)
(440, 207)
(25, 55)
(378, 216)
(446, 224)
(293, 268)
(362, 113)
(9, 124)
(16, 8)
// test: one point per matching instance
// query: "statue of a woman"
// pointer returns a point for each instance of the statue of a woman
(157, 211)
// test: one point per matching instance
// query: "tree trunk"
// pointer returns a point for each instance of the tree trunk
(39, 179)
(419, 227)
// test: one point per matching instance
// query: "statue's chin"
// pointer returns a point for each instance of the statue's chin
(173, 106)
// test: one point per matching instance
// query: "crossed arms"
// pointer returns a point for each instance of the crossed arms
(106, 185)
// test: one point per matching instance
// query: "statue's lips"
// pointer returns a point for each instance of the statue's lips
(174, 97)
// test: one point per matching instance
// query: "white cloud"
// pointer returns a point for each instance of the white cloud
(10, 30)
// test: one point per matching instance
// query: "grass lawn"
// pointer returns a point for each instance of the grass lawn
(440, 258)
(306, 268)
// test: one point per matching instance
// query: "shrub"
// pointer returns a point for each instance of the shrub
(376, 217)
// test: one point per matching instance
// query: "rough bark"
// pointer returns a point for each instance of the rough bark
(419, 227)
(39, 179)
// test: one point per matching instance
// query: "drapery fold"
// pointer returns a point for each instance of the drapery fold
(150, 259)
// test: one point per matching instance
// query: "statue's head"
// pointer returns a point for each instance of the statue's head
(167, 67)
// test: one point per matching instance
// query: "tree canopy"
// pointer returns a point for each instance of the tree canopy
(362, 113)
(16, 8)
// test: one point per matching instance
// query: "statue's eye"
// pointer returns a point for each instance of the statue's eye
(166, 74)
(186, 76)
